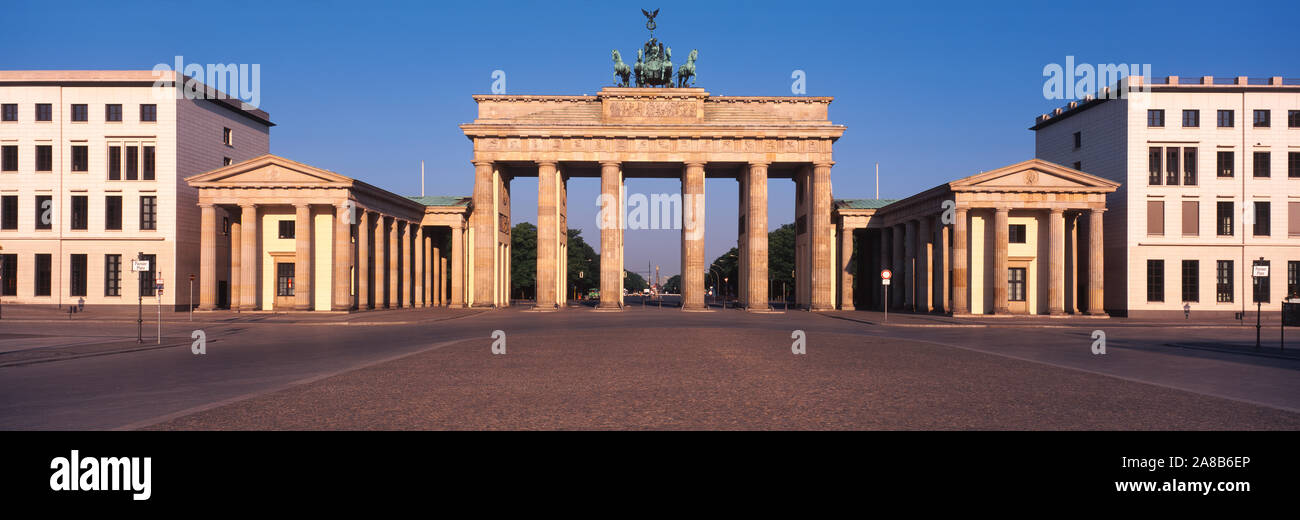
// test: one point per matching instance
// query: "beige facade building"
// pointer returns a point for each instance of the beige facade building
(1210, 175)
(1023, 239)
(91, 164)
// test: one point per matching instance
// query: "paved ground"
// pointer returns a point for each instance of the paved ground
(647, 368)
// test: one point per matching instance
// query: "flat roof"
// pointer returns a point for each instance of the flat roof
(130, 78)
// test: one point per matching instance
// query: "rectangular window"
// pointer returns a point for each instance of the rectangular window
(149, 113)
(1261, 283)
(1262, 164)
(1292, 279)
(113, 113)
(284, 279)
(147, 173)
(9, 111)
(1191, 218)
(8, 275)
(44, 216)
(9, 212)
(80, 158)
(1293, 219)
(1293, 165)
(113, 212)
(77, 275)
(1016, 284)
(1017, 234)
(80, 209)
(112, 275)
(80, 113)
(1189, 166)
(1155, 117)
(147, 277)
(1226, 166)
(1226, 119)
(44, 157)
(227, 137)
(1224, 218)
(132, 163)
(1171, 166)
(42, 275)
(1223, 281)
(1293, 118)
(1191, 118)
(115, 163)
(148, 213)
(1154, 165)
(286, 228)
(44, 112)
(1155, 280)
(1191, 283)
(1155, 217)
(1262, 118)
(9, 158)
(1078, 140)
(1262, 228)
(226, 161)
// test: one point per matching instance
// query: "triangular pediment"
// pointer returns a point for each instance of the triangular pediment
(269, 170)
(1033, 174)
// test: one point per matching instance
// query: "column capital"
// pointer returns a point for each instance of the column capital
(1058, 211)
(823, 164)
(1096, 210)
(207, 205)
(548, 162)
(695, 164)
(611, 164)
(1002, 209)
(249, 205)
(481, 162)
(763, 163)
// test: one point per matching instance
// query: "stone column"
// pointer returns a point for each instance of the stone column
(897, 287)
(436, 282)
(909, 265)
(942, 261)
(442, 281)
(381, 262)
(458, 265)
(364, 239)
(342, 300)
(1096, 264)
(207, 257)
(611, 268)
(1056, 261)
(250, 258)
(823, 269)
(756, 237)
(1000, 232)
(484, 220)
(960, 271)
(236, 262)
(693, 263)
(418, 235)
(394, 300)
(302, 270)
(405, 265)
(846, 276)
(548, 239)
(924, 241)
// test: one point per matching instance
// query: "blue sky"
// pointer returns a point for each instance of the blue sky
(933, 91)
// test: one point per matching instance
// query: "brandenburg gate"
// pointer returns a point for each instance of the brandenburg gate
(623, 133)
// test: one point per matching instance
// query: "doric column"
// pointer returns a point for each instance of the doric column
(756, 237)
(249, 258)
(382, 256)
(846, 276)
(1096, 264)
(1056, 263)
(484, 221)
(909, 265)
(548, 238)
(611, 266)
(302, 270)
(236, 263)
(924, 239)
(418, 235)
(939, 275)
(207, 257)
(960, 270)
(823, 269)
(436, 283)
(693, 263)
(343, 261)
(898, 287)
(1000, 231)
(458, 265)
(364, 239)
(394, 300)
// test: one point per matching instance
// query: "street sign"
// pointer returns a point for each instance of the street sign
(139, 265)
(191, 277)
(884, 281)
(1261, 271)
(886, 274)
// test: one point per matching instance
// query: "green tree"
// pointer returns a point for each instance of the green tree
(673, 285)
(523, 260)
(633, 282)
(726, 269)
(780, 259)
(584, 265)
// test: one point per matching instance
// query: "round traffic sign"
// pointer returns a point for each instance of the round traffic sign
(886, 274)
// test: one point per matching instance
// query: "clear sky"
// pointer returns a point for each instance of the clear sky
(933, 91)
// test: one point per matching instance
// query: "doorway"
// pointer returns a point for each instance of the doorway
(284, 275)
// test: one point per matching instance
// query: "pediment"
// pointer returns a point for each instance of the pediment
(269, 170)
(1034, 174)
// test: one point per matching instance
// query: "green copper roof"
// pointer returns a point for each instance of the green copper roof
(864, 203)
(442, 200)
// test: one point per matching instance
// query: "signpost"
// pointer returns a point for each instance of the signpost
(157, 294)
(1260, 271)
(191, 296)
(139, 265)
(885, 276)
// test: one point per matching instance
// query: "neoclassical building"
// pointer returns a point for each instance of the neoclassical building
(1022, 239)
